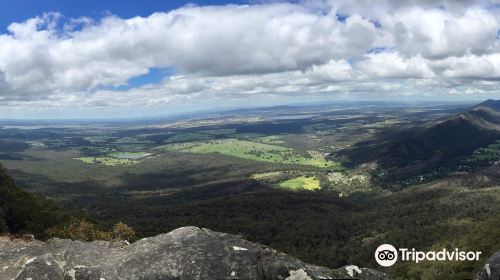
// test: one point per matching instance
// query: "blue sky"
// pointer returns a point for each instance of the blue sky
(20, 10)
(111, 59)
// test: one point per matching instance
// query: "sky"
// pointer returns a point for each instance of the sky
(123, 59)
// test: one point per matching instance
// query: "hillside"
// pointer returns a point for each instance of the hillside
(490, 103)
(23, 212)
(403, 153)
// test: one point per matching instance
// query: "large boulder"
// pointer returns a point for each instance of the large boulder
(185, 253)
(491, 270)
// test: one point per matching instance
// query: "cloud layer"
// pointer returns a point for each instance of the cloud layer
(247, 52)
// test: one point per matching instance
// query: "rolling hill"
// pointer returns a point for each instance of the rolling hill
(399, 154)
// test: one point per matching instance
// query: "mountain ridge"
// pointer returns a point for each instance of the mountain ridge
(419, 149)
(490, 103)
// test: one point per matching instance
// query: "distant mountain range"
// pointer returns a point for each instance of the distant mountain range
(403, 153)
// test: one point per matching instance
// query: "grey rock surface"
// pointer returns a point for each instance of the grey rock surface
(184, 253)
(362, 273)
(491, 270)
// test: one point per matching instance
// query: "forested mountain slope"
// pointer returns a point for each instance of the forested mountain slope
(23, 212)
(416, 150)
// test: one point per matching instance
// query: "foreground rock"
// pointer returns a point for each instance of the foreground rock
(491, 270)
(185, 253)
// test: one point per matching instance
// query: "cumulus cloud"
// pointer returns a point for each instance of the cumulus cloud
(310, 47)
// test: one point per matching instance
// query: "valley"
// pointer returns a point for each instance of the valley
(325, 183)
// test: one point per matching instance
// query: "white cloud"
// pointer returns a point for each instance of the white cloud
(251, 51)
(438, 34)
(224, 40)
(393, 65)
(472, 67)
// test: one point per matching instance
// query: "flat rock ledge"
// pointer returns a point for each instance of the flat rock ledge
(185, 253)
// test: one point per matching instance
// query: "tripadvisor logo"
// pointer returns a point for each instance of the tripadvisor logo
(387, 255)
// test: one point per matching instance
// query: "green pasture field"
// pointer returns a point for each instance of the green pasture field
(116, 158)
(301, 183)
(250, 150)
(492, 152)
(109, 161)
(129, 155)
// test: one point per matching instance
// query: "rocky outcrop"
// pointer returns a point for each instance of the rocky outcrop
(185, 253)
(491, 270)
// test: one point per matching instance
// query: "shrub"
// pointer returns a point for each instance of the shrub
(122, 232)
(80, 230)
(86, 231)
